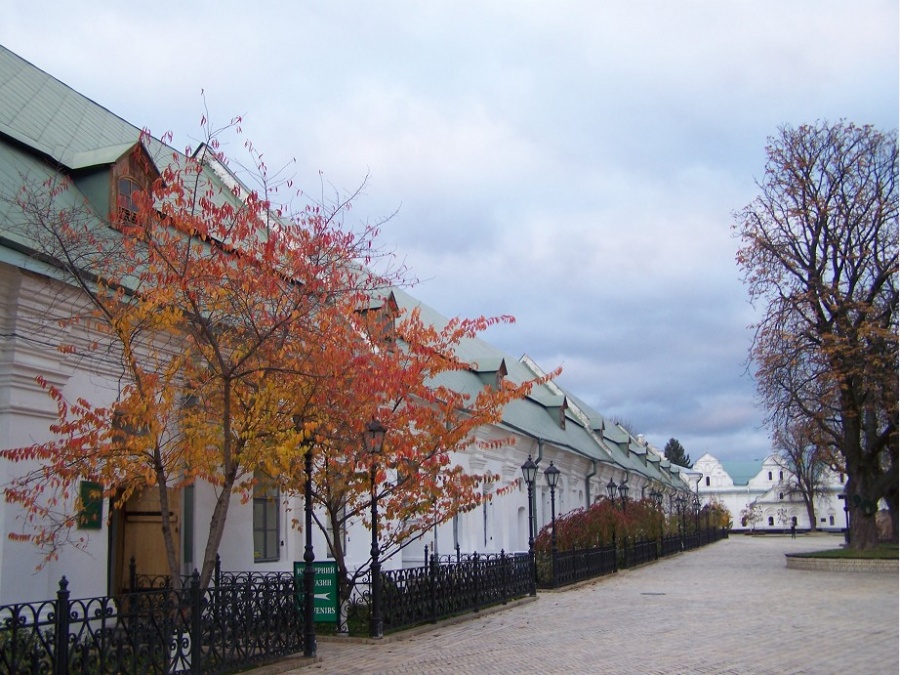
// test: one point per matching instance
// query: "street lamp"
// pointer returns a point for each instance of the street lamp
(623, 492)
(551, 474)
(611, 490)
(309, 556)
(656, 497)
(697, 512)
(679, 503)
(529, 471)
(373, 438)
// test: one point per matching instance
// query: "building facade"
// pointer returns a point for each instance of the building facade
(760, 495)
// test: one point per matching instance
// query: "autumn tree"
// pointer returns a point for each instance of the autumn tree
(401, 375)
(246, 336)
(217, 306)
(797, 452)
(674, 452)
(819, 254)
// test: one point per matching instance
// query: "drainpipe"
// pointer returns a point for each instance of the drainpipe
(587, 482)
(534, 493)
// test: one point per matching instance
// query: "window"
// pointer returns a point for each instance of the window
(127, 208)
(266, 498)
(771, 521)
(831, 520)
(707, 481)
(780, 495)
(770, 475)
(781, 475)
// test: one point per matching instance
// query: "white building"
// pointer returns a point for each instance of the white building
(765, 486)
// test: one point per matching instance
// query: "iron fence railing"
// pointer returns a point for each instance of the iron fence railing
(444, 587)
(154, 630)
(577, 565)
(641, 552)
(670, 545)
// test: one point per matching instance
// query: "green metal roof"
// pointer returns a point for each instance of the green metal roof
(742, 472)
(41, 112)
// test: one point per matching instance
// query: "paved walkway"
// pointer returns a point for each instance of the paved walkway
(732, 607)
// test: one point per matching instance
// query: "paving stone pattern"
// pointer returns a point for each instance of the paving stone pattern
(731, 607)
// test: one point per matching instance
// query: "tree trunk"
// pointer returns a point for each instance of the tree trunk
(863, 503)
(168, 534)
(216, 530)
(811, 514)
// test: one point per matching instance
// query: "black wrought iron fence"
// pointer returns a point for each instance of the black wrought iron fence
(577, 565)
(641, 552)
(452, 585)
(670, 545)
(155, 630)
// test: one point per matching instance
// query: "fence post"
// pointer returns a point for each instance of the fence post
(218, 571)
(477, 576)
(615, 554)
(61, 641)
(432, 584)
(196, 622)
(132, 574)
(504, 578)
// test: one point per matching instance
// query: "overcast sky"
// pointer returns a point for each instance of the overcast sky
(572, 163)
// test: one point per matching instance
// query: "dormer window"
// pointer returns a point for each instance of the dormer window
(127, 207)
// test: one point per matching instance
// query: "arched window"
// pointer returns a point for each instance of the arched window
(707, 481)
(770, 475)
(771, 521)
(781, 475)
(780, 495)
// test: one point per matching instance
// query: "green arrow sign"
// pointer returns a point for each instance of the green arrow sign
(325, 595)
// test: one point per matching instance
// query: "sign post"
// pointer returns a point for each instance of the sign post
(325, 599)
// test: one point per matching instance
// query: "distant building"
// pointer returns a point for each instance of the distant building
(766, 487)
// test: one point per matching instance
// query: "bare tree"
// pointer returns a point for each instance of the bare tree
(819, 252)
(806, 464)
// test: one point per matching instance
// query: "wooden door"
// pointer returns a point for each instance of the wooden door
(140, 535)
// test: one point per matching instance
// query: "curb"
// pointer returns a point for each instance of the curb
(858, 565)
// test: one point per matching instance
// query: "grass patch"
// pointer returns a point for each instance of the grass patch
(883, 552)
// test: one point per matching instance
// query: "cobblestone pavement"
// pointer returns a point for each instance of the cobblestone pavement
(732, 607)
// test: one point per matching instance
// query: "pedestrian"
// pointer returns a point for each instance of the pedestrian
(793, 529)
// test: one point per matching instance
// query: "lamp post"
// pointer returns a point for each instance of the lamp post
(656, 497)
(679, 503)
(623, 492)
(373, 438)
(611, 490)
(551, 474)
(697, 512)
(529, 471)
(309, 557)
